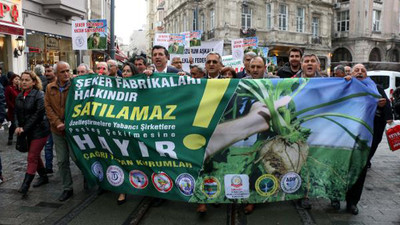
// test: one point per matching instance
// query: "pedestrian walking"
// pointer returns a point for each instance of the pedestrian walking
(31, 122)
(2, 117)
(11, 93)
(55, 100)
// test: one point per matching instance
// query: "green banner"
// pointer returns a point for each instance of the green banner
(223, 140)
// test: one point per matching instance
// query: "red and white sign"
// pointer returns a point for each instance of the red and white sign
(11, 17)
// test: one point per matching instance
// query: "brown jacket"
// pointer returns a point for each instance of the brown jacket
(55, 105)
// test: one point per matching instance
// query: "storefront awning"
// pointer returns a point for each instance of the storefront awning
(120, 56)
(11, 28)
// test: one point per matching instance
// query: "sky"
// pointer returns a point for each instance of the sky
(130, 15)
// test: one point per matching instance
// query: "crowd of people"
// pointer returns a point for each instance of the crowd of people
(35, 104)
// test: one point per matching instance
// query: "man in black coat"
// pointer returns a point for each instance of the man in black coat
(383, 115)
(293, 66)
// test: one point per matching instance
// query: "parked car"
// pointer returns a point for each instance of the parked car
(388, 79)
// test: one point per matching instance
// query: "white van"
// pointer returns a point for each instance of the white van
(388, 79)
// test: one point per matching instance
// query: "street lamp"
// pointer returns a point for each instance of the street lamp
(20, 46)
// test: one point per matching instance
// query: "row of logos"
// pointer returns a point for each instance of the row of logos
(236, 185)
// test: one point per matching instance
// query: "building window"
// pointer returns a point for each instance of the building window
(283, 17)
(203, 22)
(300, 20)
(246, 17)
(195, 15)
(376, 20)
(212, 19)
(269, 17)
(315, 26)
(343, 21)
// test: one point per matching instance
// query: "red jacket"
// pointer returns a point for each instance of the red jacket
(11, 93)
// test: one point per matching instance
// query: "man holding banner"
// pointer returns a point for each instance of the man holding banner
(160, 57)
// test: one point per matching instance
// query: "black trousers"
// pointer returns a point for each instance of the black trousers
(11, 130)
(379, 128)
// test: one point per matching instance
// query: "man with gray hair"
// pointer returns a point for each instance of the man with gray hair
(112, 68)
(55, 100)
(339, 71)
(82, 69)
(197, 71)
(248, 56)
(213, 65)
(39, 71)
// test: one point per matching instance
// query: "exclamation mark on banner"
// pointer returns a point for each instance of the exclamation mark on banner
(213, 93)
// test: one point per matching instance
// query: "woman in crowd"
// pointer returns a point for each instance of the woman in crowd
(11, 92)
(128, 70)
(31, 122)
(228, 72)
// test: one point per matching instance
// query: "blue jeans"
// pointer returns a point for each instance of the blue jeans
(48, 152)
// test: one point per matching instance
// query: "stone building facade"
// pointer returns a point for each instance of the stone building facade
(279, 25)
(367, 31)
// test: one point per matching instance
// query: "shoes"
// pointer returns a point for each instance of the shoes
(248, 209)
(121, 201)
(158, 202)
(49, 171)
(26, 184)
(43, 179)
(9, 142)
(352, 208)
(66, 195)
(335, 204)
(305, 203)
(201, 209)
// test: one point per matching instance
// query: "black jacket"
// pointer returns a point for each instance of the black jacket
(286, 71)
(385, 113)
(2, 104)
(30, 114)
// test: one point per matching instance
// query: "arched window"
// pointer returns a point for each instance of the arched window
(375, 55)
(394, 56)
(342, 54)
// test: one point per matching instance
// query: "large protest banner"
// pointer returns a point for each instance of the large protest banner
(89, 34)
(199, 53)
(223, 140)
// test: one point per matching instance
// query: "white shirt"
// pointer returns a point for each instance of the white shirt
(163, 71)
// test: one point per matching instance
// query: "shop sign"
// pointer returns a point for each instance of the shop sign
(10, 11)
(52, 43)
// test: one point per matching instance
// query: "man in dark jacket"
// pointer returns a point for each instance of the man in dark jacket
(293, 66)
(248, 56)
(383, 115)
(160, 57)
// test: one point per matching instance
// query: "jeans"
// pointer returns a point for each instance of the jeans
(48, 153)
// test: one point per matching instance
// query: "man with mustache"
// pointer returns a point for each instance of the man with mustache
(383, 115)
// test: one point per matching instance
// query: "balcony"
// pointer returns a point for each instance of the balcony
(249, 32)
(66, 8)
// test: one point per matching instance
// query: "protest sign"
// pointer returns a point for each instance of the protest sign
(231, 140)
(89, 34)
(243, 45)
(174, 43)
(193, 38)
(199, 53)
(236, 64)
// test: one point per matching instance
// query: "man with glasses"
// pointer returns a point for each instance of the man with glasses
(213, 65)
